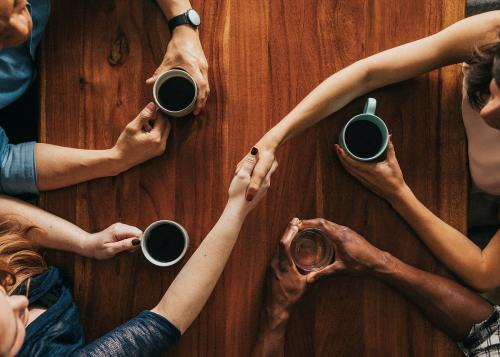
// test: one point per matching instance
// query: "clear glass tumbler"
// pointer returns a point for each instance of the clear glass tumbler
(312, 250)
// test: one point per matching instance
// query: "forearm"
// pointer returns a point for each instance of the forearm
(270, 337)
(192, 287)
(58, 166)
(449, 245)
(52, 231)
(331, 95)
(450, 306)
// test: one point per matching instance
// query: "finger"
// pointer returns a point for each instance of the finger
(124, 245)
(203, 90)
(124, 231)
(391, 153)
(147, 114)
(160, 124)
(349, 161)
(331, 269)
(273, 169)
(259, 174)
(247, 165)
(290, 231)
(330, 228)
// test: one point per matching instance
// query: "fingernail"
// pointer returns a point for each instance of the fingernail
(254, 151)
(295, 221)
(249, 197)
(136, 242)
(390, 137)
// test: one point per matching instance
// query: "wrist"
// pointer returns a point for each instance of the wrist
(384, 264)
(399, 195)
(115, 160)
(184, 32)
(269, 142)
(236, 209)
(83, 246)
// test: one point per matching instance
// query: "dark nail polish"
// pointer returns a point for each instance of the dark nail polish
(249, 197)
(254, 151)
(136, 242)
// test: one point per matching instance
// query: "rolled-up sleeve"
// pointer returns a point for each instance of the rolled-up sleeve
(17, 167)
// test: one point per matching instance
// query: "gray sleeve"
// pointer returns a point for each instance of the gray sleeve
(17, 167)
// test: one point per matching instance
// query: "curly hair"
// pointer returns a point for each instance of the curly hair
(483, 67)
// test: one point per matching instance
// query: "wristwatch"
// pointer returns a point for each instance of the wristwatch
(190, 17)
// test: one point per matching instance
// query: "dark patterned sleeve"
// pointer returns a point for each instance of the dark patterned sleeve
(148, 334)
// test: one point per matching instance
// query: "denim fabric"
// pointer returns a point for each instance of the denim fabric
(17, 64)
(58, 331)
(17, 167)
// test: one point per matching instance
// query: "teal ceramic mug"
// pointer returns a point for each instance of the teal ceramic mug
(365, 137)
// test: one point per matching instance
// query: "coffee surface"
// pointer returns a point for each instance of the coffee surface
(176, 93)
(165, 242)
(363, 138)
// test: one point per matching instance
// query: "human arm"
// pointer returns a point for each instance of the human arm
(451, 45)
(192, 287)
(452, 307)
(184, 50)
(478, 268)
(54, 232)
(143, 138)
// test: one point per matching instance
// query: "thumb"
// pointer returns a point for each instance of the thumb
(247, 165)
(333, 268)
(146, 114)
(124, 231)
(124, 245)
(391, 153)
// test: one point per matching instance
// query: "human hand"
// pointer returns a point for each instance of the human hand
(285, 284)
(265, 161)
(353, 254)
(184, 51)
(116, 238)
(142, 139)
(238, 189)
(384, 178)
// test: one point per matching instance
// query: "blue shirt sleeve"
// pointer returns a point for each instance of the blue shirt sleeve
(17, 167)
(147, 334)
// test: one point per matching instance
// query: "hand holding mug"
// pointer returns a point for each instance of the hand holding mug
(285, 284)
(384, 178)
(184, 51)
(116, 238)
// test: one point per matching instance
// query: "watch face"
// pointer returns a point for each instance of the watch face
(193, 17)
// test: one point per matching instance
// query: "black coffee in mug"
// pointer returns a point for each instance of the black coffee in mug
(165, 242)
(176, 93)
(363, 138)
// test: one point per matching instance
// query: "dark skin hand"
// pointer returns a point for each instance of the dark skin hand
(285, 287)
(450, 306)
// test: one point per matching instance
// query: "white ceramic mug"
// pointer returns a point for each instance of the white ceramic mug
(146, 235)
(162, 78)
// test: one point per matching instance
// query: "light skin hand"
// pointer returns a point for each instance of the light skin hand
(115, 239)
(143, 138)
(383, 178)
(185, 51)
(266, 162)
(353, 254)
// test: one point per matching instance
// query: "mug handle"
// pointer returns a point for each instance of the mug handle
(370, 106)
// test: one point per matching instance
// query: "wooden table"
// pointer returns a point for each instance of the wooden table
(264, 56)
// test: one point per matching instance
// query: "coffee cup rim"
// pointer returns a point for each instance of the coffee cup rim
(163, 77)
(376, 120)
(144, 239)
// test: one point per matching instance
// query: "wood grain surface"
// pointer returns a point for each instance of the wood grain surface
(264, 57)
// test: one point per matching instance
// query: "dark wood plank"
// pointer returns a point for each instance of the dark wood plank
(264, 57)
